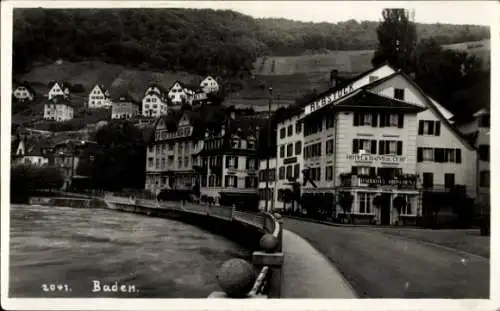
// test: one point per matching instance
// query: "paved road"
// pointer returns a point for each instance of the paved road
(379, 265)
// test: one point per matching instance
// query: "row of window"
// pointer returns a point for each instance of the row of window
(263, 174)
(379, 119)
(250, 163)
(365, 203)
(180, 162)
(289, 172)
(315, 125)
(429, 127)
(385, 147)
(289, 149)
(439, 155)
(266, 194)
(288, 131)
(428, 180)
(232, 181)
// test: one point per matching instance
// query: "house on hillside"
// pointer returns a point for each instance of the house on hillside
(180, 93)
(23, 92)
(209, 85)
(99, 97)
(59, 88)
(30, 151)
(125, 107)
(58, 108)
(154, 102)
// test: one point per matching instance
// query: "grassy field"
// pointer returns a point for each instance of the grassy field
(344, 61)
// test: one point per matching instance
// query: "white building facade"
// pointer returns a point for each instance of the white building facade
(383, 141)
(23, 93)
(58, 109)
(154, 102)
(59, 89)
(209, 85)
(99, 97)
(272, 185)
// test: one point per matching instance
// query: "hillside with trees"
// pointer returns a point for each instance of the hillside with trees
(225, 43)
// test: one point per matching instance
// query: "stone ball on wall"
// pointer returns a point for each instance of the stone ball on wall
(268, 242)
(236, 277)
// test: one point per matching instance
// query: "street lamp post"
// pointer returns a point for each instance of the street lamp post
(268, 148)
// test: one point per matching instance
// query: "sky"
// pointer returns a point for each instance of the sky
(452, 12)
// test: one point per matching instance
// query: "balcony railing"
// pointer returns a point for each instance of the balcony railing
(444, 188)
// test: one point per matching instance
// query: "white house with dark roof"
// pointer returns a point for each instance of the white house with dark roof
(59, 88)
(154, 102)
(58, 109)
(99, 97)
(177, 93)
(209, 85)
(23, 92)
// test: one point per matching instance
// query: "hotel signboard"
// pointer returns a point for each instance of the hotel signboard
(182, 132)
(381, 158)
(388, 182)
(328, 99)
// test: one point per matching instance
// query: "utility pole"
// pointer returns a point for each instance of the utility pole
(268, 147)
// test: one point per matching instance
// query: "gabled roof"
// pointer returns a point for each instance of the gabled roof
(102, 88)
(366, 99)
(26, 85)
(126, 97)
(62, 84)
(174, 83)
(162, 89)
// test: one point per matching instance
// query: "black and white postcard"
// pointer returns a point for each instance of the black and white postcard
(286, 155)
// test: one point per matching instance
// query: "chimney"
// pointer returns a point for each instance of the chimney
(334, 74)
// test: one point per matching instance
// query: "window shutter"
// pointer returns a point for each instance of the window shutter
(387, 148)
(374, 147)
(381, 147)
(236, 162)
(227, 161)
(421, 127)
(420, 155)
(355, 119)
(401, 119)
(382, 120)
(400, 148)
(437, 131)
(372, 171)
(355, 147)
(354, 170)
(374, 119)
(458, 156)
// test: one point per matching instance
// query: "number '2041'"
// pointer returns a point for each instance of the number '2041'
(56, 288)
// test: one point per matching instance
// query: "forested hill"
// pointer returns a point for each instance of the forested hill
(198, 41)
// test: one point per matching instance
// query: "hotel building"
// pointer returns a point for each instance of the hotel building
(381, 139)
(169, 155)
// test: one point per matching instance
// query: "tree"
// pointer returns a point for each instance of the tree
(27, 179)
(345, 201)
(119, 158)
(397, 37)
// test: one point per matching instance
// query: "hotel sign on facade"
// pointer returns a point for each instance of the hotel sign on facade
(376, 158)
(328, 99)
(182, 132)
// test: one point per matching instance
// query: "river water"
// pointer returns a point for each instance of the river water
(72, 248)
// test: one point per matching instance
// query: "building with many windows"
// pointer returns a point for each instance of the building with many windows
(125, 107)
(59, 108)
(209, 85)
(170, 153)
(59, 88)
(23, 92)
(379, 140)
(99, 97)
(227, 165)
(289, 157)
(154, 102)
(272, 185)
